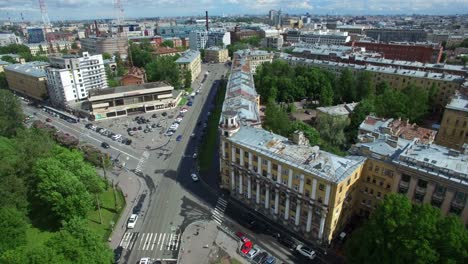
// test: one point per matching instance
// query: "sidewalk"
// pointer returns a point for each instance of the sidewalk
(131, 187)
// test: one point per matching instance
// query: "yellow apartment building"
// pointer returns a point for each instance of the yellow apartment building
(28, 79)
(453, 132)
(189, 61)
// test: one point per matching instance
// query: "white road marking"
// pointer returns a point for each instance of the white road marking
(168, 246)
(147, 241)
(154, 241)
(141, 241)
(162, 244)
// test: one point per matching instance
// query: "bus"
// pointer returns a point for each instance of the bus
(66, 116)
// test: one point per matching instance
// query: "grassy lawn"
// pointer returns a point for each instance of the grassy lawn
(108, 211)
(208, 146)
(183, 101)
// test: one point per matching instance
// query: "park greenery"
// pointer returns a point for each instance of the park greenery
(23, 51)
(401, 232)
(48, 188)
(280, 84)
(246, 43)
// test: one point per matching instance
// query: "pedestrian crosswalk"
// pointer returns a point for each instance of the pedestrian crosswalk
(218, 211)
(163, 242)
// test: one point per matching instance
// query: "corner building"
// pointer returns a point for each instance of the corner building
(300, 187)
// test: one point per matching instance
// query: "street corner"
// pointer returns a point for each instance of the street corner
(197, 244)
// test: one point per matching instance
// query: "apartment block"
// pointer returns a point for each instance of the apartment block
(300, 187)
(216, 55)
(198, 39)
(9, 38)
(453, 132)
(70, 77)
(28, 79)
(189, 61)
(100, 45)
(255, 57)
(395, 34)
(318, 37)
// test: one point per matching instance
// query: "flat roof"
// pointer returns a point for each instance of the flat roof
(459, 103)
(33, 68)
(338, 110)
(129, 88)
(188, 56)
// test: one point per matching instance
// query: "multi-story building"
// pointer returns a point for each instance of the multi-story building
(399, 35)
(100, 45)
(273, 42)
(198, 39)
(453, 132)
(425, 173)
(165, 51)
(134, 76)
(218, 38)
(446, 84)
(305, 190)
(35, 35)
(176, 42)
(216, 55)
(28, 79)
(70, 77)
(9, 38)
(353, 29)
(47, 48)
(123, 100)
(240, 34)
(318, 37)
(421, 52)
(255, 57)
(189, 61)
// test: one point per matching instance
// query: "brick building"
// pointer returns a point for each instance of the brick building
(134, 76)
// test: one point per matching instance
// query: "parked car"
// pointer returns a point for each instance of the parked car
(169, 133)
(88, 126)
(287, 241)
(116, 136)
(189, 103)
(118, 254)
(269, 260)
(179, 138)
(252, 253)
(184, 110)
(305, 251)
(153, 125)
(241, 237)
(105, 145)
(154, 116)
(132, 221)
(128, 142)
(134, 128)
(145, 261)
(164, 114)
(195, 155)
(246, 247)
(194, 177)
(260, 257)
(140, 128)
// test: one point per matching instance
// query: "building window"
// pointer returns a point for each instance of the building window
(368, 179)
(265, 162)
(349, 182)
(308, 181)
(237, 150)
(275, 167)
(341, 189)
(321, 186)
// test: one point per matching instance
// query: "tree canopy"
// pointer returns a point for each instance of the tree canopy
(11, 115)
(163, 69)
(401, 232)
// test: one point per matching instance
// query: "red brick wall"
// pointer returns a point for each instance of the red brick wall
(425, 54)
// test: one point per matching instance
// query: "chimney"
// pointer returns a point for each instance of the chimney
(96, 28)
(206, 17)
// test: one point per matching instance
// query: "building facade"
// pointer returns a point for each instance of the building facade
(189, 61)
(218, 38)
(9, 38)
(198, 39)
(216, 55)
(255, 57)
(399, 35)
(100, 45)
(134, 76)
(453, 132)
(48, 48)
(70, 77)
(35, 35)
(318, 37)
(28, 79)
(123, 100)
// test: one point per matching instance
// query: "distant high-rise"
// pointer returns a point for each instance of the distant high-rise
(272, 14)
(35, 35)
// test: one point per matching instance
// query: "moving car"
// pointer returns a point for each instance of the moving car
(105, 145)
(195, 155)
(132, 221)
(305, 251)
(194, 177)
(169, 133)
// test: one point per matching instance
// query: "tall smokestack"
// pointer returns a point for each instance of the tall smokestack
(96, 28)
(207, 26)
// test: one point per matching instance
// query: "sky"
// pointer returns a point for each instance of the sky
(95, 9)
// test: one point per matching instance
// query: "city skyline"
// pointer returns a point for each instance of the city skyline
(87, 9)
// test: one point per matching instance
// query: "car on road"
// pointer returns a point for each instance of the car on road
(287, 241)
(306, 252)
(194, 177)
(116, 136)
(169, 133)
(48, 120)
(183, 110)
(260, 257)
(154, 116)
(127, 141)
(132, 221)
(246, 247)
(145, 261)
(88, 126)
(179, 138)
(105, 145)
(195, 155)
(179, 119)
(189, 103)
(118, 254)
(164, 114)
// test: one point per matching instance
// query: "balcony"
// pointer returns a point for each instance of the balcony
(421, 190)
(458, 203)
(404, 184)
(438, 196)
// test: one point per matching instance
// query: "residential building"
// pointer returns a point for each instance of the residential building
(198, 39)
(28, 79)
(399, 35)
(324, 37)
(341, 110)
(166, 51)
(240, 34)
(35, 35)
(421, 52)
(255, 57)
(453, 132)
(300, 187)
(380, 127)
(216, 55)
(218, 38)
(48, 48)
(397, 78)
(124, 100)
(16, 57)
(352, 29)
(60, 36)
(3, 64)
(178, 31)
(189, 61)
(134, 76)
(176, 42)
(9, 38)
(425, 173)
(273, 42)
(70, 77)
(100, 45)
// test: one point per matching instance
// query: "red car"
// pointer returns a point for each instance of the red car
(242, 237)
(246, 247)
(48, 120)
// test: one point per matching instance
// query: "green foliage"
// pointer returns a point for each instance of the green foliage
(13, 229)
(106, 56)
(309, 132)
(167, 44)
(112, 82)
(163, 68)
(15, 49)
(187, 79)
(3, 81)
(140, 56)
(276, 119)
(235, 47)
(253, 41)
(400, 232)
(346, 90)
(326, 95)
(331, 129)
(363, 109)
(11, 114)
(9, 59)
(74, 45)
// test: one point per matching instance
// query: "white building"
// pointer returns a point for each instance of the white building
(218, 38)
(70, 77)
(198, 39)
(9, 38)
(324, 37)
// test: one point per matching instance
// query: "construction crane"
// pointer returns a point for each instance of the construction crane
(45, 21)
(120, 30)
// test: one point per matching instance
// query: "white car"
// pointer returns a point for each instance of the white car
(174, 126)
(179, 119)
(252, 253)
(184, 110)
(145, 261)
(132, 221)
(115, 137)
(305, 251)
(194, 177)
(169, 133)
(195, 155)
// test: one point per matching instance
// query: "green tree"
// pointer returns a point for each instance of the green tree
(417, 102)
(3, 81)
(363, 109)
(106, 56)
(13, 229)
(309, 132)
(326, 95)
(391, 103)
(365, 89)
(74, 45)
(381, 87)
(331, 129)
(432, 96)
(163, 69)
(400, 232)
(167, 44)
(9, 59)
(187, 79)
(15, 49)
(346, 89)
(276, 119)
(140, 56)
(11, 114)
(464, 60)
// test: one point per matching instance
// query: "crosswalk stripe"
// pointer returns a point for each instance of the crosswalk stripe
(222, 202)
(148, 242)
(154, 242)
(141, 241)
(133, 240)
(168, 246)
(178, 243)
(162, 244)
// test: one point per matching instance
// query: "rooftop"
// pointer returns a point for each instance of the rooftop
(338, 110)
(129, 88)
(307, 158)
(459, 103)
(34, 68)
(15, 56)
(4, 62)
(188, 56)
